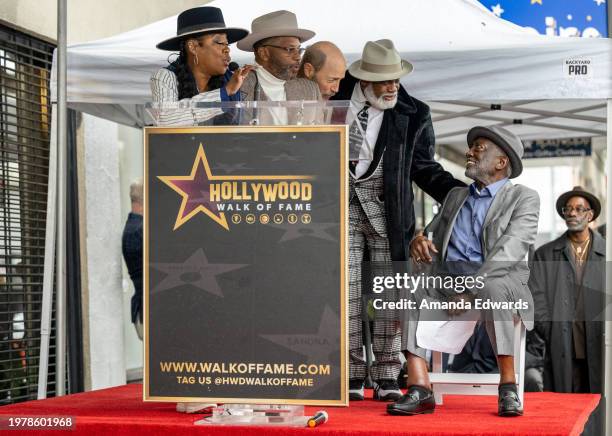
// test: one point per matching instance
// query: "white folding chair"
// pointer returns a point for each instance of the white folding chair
(478, 384)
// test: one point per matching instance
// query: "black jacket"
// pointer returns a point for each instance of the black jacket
(131, 246)
(552, 283)
(407, 140)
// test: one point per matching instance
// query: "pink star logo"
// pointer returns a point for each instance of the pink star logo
(195, 190)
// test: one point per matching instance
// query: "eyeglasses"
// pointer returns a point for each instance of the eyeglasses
(290, 50)
(579, 210)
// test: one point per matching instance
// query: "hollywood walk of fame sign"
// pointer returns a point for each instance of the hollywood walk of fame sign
(245, 265)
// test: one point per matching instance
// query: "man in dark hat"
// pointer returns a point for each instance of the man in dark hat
(568, 285)
(484, 230)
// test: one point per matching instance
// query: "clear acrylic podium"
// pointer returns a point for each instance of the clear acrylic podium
(247, 113)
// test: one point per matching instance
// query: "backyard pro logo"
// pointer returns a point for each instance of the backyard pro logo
(578, 68)
(247, 198)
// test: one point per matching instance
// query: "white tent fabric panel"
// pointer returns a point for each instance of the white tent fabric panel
(459, 50)
(528, 119)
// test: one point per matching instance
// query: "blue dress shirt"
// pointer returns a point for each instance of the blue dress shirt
(224, 95)
(465, 244)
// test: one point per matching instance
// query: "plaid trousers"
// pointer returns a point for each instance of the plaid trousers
(367, 228)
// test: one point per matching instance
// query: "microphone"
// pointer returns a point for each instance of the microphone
(233, 66)
(319, 418)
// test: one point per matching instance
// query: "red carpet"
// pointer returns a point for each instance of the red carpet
(120, 411)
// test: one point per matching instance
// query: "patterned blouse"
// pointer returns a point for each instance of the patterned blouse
(164, 88)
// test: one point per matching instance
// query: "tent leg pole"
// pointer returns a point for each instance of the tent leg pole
(47, 296)
(608, 310)
(62, 123)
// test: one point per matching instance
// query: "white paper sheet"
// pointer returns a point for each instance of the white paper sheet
(437, 331)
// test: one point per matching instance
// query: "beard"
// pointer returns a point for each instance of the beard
(577, 224)
(283, 71)
(379, 102)
(480, 169)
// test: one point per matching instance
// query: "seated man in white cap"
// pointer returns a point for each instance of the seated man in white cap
(485, 231)
(275, 40)
(391, 145)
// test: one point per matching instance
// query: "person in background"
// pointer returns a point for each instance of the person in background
(200, 73)
(324, 64)
(131, 246)
(569, 290)
(568, 285)
(13, 334)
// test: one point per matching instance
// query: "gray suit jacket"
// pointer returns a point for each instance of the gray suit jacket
(296, 90)
(508, 232)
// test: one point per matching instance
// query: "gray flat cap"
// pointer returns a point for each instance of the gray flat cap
(504, 139)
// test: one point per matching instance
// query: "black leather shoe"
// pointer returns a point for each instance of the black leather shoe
(508, 403)
(356, 390)
(418, 400)
(387, 390)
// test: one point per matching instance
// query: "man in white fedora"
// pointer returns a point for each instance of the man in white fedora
(275, 40)
(391, 145)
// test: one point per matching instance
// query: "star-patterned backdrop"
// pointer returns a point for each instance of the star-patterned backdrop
(584, 18)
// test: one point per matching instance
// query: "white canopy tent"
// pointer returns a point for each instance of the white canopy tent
(465, 59)
(460, 51)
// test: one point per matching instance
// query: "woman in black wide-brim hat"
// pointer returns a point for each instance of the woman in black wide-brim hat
(200, 73)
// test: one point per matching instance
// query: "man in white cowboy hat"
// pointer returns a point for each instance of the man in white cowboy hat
(275, 40)
(391, 144)
(485, 232)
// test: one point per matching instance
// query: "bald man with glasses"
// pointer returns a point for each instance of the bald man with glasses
(276, 42)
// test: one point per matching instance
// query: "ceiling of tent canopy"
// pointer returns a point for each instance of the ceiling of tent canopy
(465, 60)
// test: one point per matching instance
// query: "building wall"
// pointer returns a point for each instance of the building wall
(103, 243)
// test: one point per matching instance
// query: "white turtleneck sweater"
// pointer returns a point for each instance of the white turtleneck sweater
(275, 90)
